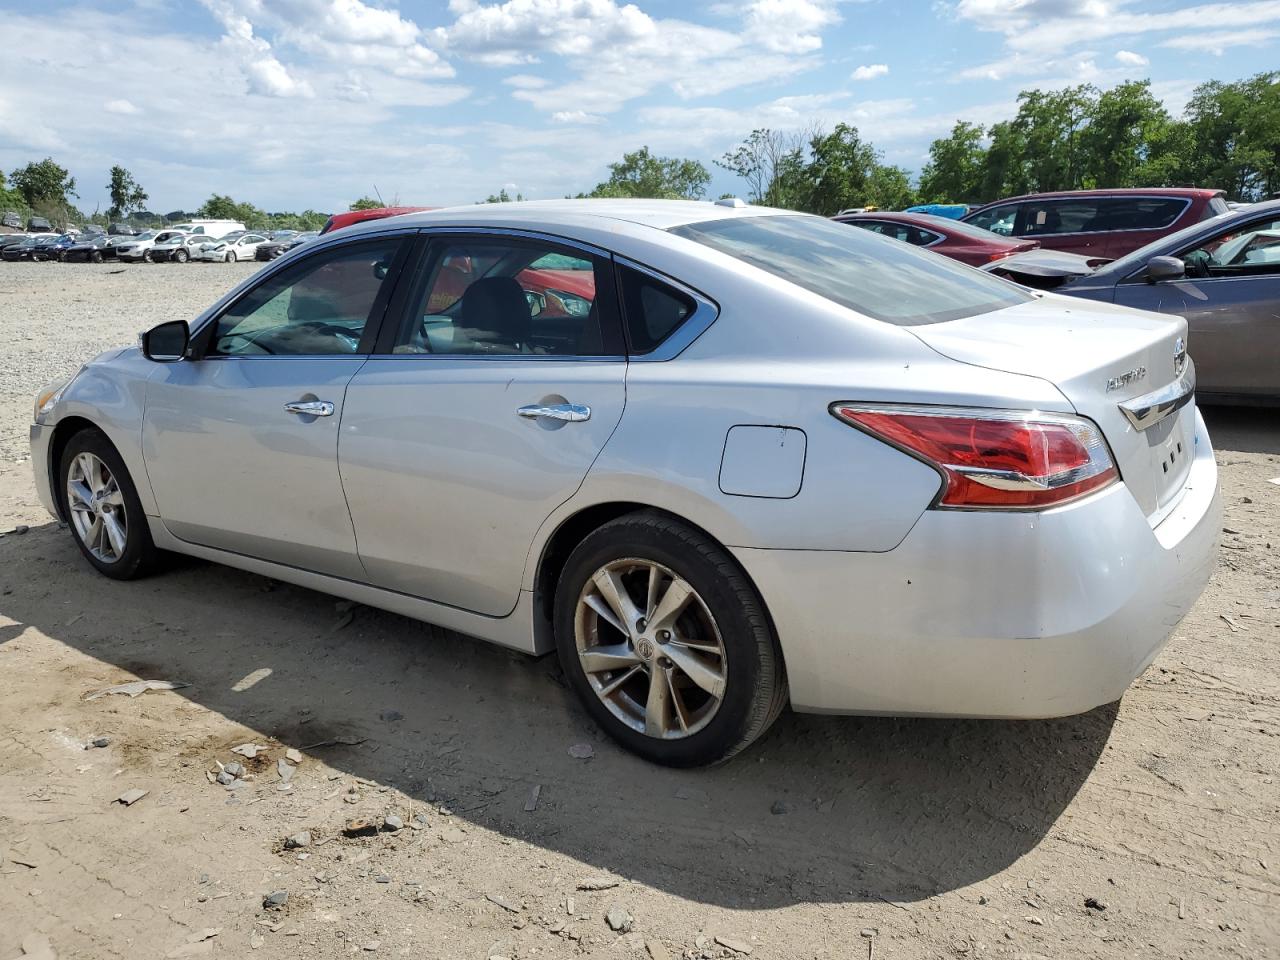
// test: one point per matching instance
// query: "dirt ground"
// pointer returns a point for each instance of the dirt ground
(1147, 828)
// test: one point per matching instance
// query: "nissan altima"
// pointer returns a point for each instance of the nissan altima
(721, 459)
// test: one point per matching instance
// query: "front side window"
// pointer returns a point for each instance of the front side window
(1245, 250)
(319, 307)
(894, 283)
(999, 220)
(487, 296)
(1047, 217)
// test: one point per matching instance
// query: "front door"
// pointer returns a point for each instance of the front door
(481, 413)
(241, 444)
(1230, 297)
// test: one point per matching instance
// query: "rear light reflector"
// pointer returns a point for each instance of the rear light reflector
(994, 459)
(1001, 254)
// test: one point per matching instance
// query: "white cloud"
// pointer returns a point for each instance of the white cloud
(1131, 59)
(789, 26)
(576, 116)
(524, 81)
(120, 106)
(1049, 27)
(265, 74)
(1216, 42)
(870, 71)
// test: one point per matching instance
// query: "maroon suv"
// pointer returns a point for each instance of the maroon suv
(1099, 223)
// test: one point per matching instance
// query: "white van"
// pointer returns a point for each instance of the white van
(214, 229)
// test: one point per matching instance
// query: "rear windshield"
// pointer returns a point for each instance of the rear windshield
(882, 278)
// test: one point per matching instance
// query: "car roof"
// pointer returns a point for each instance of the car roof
(597, 213)
(1192, 192)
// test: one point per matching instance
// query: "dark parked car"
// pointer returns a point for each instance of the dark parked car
(56, 248)
(122, 230)
(1224, 277)
(959, 241)
(11, 220)
(9, 239)
(39, 225)
(92, 248)
(25, 248)
(269, 251)
(1099, 223)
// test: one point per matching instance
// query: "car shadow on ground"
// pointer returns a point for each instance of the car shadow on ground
(1243, 429)
(824, 809)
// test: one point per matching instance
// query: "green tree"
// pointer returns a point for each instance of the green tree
(772, 165)
(889, 188)
(367, 203)
(956, 168)
(641, 174)
(45, 187)
(126, 193)
(1234, 132)
(503, 197)
(1051, 124)
(840, 171)
(222, 207)
(1125, 125)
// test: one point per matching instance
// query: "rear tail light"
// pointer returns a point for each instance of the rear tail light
(1001, 254)
(994, 459)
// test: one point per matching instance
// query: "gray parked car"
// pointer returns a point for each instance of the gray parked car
(719, 458)
(1223, 275)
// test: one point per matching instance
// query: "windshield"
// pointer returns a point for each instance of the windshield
(884, 279)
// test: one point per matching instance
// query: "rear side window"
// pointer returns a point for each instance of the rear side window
(1141, 213)
(1216, 207)
(653, 309)
(898, 231)
(888, 281)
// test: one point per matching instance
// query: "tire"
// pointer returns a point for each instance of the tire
(231, 256)
(181, 256)
(139, 554)
(96, 256)
(695, 727)
(148, 257)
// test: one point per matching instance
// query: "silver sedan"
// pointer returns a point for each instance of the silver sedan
(722, 459)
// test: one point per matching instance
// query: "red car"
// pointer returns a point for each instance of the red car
(971, 245)
(1099, 223)
(340, 220)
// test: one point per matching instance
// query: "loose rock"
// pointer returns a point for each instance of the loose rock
(391, 823)
(298, 840)
(618, 919)
(582, 751)
(275, 900)
(234, 768)
(503, 902)
(100, 742)
(598, 883)
(779, 808)
(130, 797)
(737, 946)
(1094, 904)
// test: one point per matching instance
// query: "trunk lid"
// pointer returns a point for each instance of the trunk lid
(1100, 356)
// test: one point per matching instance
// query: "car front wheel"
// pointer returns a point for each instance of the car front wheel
(180, 256)
(667, 642)
(231, 256)
(103, 509)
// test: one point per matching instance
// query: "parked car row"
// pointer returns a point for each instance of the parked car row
(1177, 251)
(180, 244)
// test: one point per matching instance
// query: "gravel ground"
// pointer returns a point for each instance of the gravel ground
(1147, 828)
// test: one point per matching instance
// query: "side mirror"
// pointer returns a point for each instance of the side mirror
(166, 343)
(1165, 268)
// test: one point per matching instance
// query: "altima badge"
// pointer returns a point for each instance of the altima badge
(1126, 378)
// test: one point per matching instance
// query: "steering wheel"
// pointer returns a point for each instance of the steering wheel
(333, 330)
(247, 337)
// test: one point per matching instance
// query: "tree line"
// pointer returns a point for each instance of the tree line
(1228, 137)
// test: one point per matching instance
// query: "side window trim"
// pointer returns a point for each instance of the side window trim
(202, 336)
(423, 256)
(705, 313)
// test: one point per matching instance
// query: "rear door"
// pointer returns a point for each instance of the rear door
(1072, 224)
(1231, 300)
(1132, 222)
(481, 412)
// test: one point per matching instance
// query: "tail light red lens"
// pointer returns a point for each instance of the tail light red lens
(1001, 254)
(994, 459)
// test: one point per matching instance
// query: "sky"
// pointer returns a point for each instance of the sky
(296, 104)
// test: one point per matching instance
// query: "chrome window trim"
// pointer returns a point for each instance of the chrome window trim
(1186, 205)
(705, 312)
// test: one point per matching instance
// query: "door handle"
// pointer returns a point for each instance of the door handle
(569, 412)
(310, 408)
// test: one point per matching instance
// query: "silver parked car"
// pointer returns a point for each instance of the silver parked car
(720, 458)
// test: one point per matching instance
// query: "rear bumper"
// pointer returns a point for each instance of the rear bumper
(1011, 615)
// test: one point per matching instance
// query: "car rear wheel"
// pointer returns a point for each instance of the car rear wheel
(103, 509)
(181, 256)
(667, 642)
(96, 256)
(149, 257)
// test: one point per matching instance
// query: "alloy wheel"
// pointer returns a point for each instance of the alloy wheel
(650, 648)
(97, 508)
